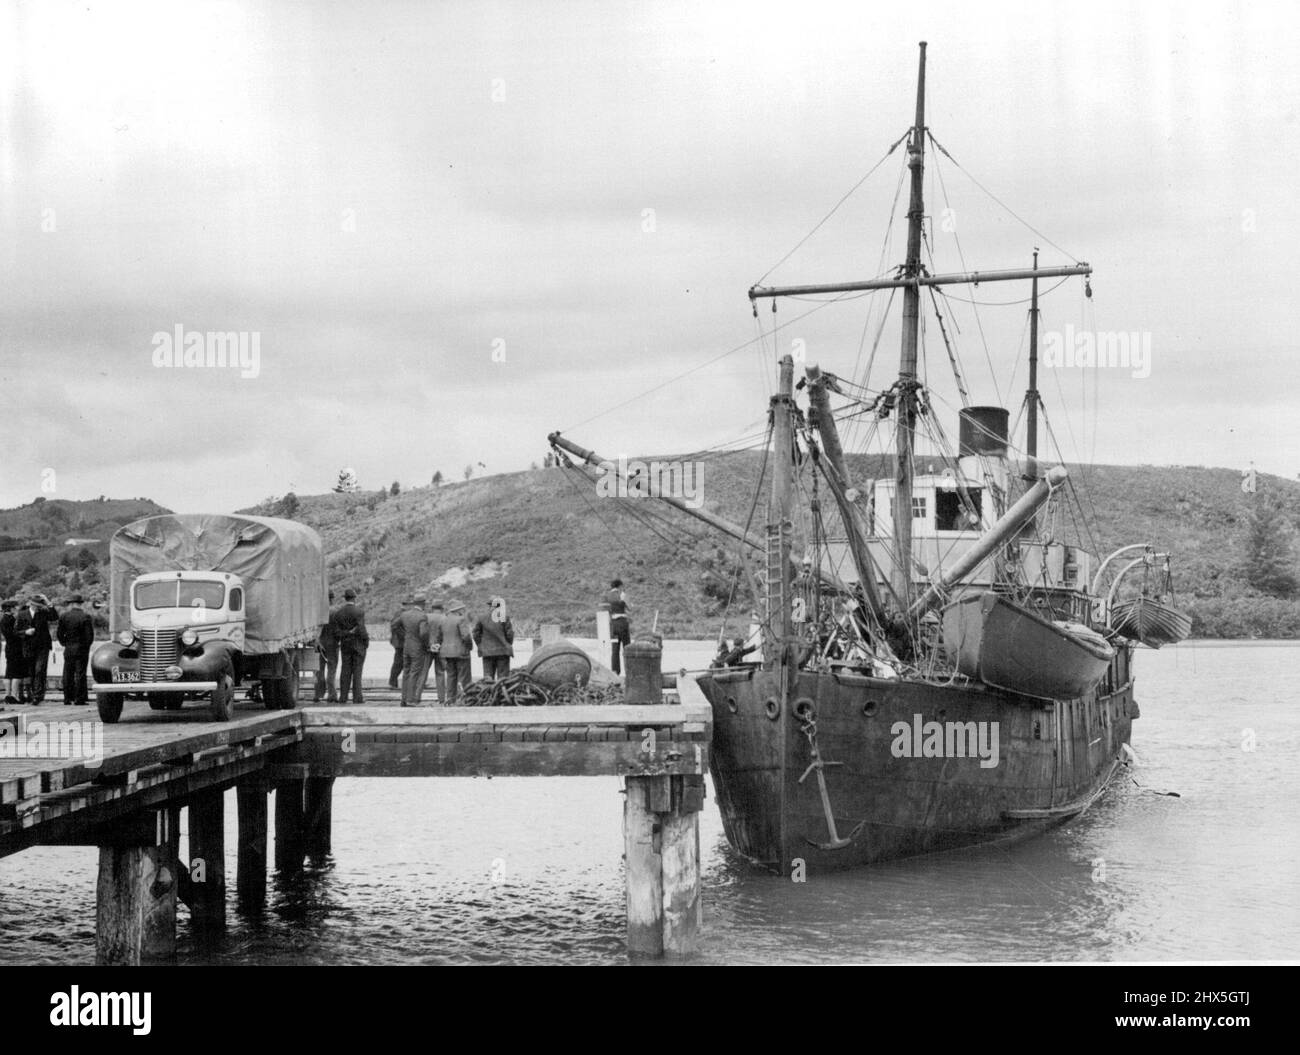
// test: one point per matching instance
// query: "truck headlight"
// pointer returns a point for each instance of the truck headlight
(189, 637)
(126, 638)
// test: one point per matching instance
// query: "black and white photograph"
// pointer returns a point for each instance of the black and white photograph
(552, 483)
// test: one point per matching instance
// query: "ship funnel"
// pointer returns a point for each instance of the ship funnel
(982, 431)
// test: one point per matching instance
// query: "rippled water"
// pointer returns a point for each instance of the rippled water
(529, 870)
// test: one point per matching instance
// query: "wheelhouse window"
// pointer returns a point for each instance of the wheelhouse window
(951, 514)
(918, 507)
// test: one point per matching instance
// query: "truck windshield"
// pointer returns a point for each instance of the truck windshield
(179, 593)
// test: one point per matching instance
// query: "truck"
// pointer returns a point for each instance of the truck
(201, 603)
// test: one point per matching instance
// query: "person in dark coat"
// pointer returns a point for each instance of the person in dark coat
(453, 640)
(396, 637)
(620, 630)
(43, 615)
(328, 647)
(412, 630)
(76, 634)
(350, 630)
(436, 612)
(13, 649)
(25, 631)
(494, 635)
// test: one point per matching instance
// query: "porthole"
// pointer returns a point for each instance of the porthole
(772, 708)
(732, 706)
(869, 708)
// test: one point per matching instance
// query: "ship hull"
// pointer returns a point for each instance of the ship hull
(897, 791)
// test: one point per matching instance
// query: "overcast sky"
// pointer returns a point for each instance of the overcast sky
(386, 194)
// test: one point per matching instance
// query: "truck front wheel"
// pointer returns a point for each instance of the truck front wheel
(110, 706)
(223, 698)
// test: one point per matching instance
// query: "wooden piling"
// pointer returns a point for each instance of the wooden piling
(207, 869)
(318, 811)
(289, 826)
(661, 834)
(135, 896)
(250, 868)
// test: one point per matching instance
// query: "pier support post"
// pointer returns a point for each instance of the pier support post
(289, 826)
(135, 892)
(661, 836)
(208, 860)
(318, 814)
(250, 869)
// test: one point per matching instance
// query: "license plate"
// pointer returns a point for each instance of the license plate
(125, 675)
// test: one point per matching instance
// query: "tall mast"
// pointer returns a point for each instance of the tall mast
(906, 424)
(1031, 397)
(780, 516)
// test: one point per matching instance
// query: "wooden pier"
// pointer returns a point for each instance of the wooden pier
(156, 763)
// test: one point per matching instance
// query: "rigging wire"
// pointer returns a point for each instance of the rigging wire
(835, 208)
(938, 146)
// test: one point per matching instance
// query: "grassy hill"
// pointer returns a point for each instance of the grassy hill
(549, 545)
(545, 541)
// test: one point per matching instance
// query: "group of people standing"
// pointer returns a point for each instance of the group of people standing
(422, 635)
(27, 641)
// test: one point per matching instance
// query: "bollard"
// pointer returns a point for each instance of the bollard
(644, 669)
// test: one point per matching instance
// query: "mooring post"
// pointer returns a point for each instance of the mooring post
(250, 869)
(661, 834)
(642, 853)
(289, 825)
(207, 887)
(683, 907)
(135, 892)
(318, 810)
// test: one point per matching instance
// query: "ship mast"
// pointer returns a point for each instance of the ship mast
(1031, 396)
(905, 425)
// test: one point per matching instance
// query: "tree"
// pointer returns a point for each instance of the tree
(30, 572)
(347, 482)
(469, 471)
(1270, 549)
(289, 505)
(437, 479)
(396, 489)
(86, 558)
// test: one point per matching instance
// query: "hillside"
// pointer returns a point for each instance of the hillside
(549, 545)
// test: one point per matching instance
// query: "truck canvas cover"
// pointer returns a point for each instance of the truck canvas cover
(281, 562)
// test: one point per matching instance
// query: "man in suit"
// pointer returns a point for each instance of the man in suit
(454, 642)
(76, 634)
(396, 638)
(494, 635)
(328, 646)
(13, 649)
(42, 616)
(412, 628)
(350, 630)
(436, 612)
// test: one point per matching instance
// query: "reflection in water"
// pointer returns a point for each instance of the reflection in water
(529, 870)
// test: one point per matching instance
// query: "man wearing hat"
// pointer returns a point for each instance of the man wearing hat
(350, 632)
(396, 638)
(436, 612)
(328, 647)
(76, 634)
(411, 629)
(453, 641)
(42, 615)
(13, 648)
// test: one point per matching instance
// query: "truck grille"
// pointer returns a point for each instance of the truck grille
(158, 649)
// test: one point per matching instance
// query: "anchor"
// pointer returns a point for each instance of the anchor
(804, 712)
